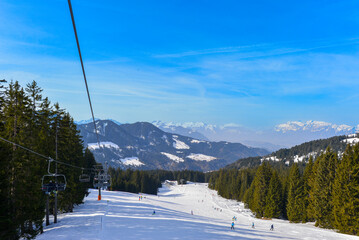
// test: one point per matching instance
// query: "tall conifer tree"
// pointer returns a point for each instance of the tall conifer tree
(323, 189)
(308, 172)
(274, 197)
(295, 205)
(346, 192)
(261, 186)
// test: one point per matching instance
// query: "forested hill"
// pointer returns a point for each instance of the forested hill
(299, 153)
(324, 191)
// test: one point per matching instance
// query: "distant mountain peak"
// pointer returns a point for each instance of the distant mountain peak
(96, 119)
(313, 126)
(85, 121)
(192, 125)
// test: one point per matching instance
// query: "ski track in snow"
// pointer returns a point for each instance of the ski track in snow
(121, 215)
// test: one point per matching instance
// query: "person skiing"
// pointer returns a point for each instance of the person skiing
(232, 226)
(252, 224)
(154, 212)
(271, 227)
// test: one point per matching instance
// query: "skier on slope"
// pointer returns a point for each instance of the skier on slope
(252, 224)
(271, 227)
(154, 212)
(232, 225)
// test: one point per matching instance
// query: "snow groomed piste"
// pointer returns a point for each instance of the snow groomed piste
(122, 215)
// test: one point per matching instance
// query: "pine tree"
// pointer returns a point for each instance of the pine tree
(323, 189)
(220, 183)
(308, 173)
(16, 113)
(311, 186)
(274, 197)
(7, 229)
(261, 186)
(248, 197)
(236, 185)
(285, 186)
(245, 183)
(346, 192)
(295, 205)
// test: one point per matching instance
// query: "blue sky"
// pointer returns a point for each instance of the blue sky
(253, 63)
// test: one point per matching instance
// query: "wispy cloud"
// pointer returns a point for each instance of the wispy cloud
(232, 83)
(211, 51)
(266, 49)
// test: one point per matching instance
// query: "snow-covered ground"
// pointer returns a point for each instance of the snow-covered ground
(93, 146)
(121, 215)
(173, 157)
(131, 161)
(179, 144)
(200, 157)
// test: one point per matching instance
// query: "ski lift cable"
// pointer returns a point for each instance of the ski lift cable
(83, 71)
(70, 165)
(25, 148)
(41, 155)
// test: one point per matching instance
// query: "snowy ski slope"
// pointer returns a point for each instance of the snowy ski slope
(121, 215)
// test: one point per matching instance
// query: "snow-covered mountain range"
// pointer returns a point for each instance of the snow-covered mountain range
(315, 126)
(228, 132)
(282, 135)
(142, 145)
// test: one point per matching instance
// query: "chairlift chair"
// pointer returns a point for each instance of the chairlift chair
(107, 181)
(84, 177)
(53, 181)
(96, 183)
(102, 177)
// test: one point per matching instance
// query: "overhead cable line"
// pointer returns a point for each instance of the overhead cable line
(25, 148)
(83, 71)
(70, 165)
(41, 155)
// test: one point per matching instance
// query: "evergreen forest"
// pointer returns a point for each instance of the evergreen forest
(136, 181)
(324, 191)
(31, 120)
